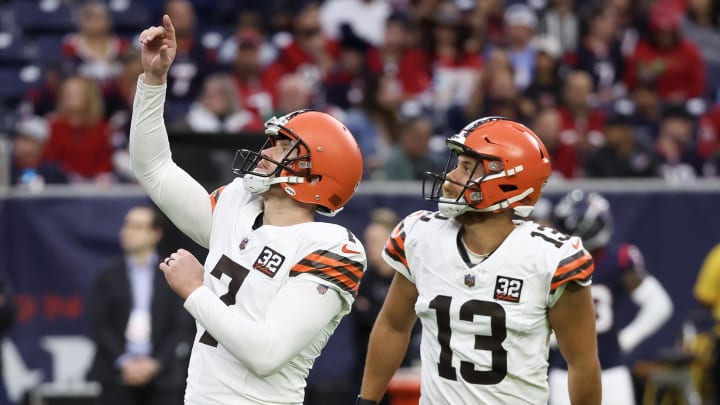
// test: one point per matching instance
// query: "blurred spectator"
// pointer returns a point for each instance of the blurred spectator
(366, 18)
(680, 161)
(79, 135)
(94, 50)
(375, 122)
(253, 84)
(27, 167)
(520, 25)
(503, 97)
(621, 155)
(545, 88)
(343, 84)
(564, 156)
(599, 52)
(40, 99)
(141, 330)
(411, 157)
(646, 109)
(119, 96)
(709, 141)
(454, 69)
(666, 60)
(310, 53)
(218, 110)
(582, 122)
(560, 22)
(402, 60)
(193, 62)
(707, 292)
(294, 93)
(248, 23)
(701, 26)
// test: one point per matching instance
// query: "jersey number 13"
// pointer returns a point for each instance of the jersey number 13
(492, 342)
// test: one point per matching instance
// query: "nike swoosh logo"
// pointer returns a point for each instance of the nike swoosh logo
(345, 249)
(576, 244)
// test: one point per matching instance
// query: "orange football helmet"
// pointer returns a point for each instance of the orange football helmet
(322, 166)
(516, 167)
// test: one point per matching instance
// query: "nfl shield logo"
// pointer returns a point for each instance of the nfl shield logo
(243, 243)
(470, 280)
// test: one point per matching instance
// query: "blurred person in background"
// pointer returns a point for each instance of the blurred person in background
(676, 146)
(375, 122)
(411, 156)
(294, 93)
(701, 26)
(560, 22)
(707, 292)
(251, 80)
(666, 60)
(27, 166)
(141, 331)
(218, 110)
(193, 62)
(79, 134)
(621, 155)
(564, 156)
(94, 50)
(599, 52)
(8, 314)
(545, 89)
(620, 274)
(366, 18)
(520, 28)
(583, 122)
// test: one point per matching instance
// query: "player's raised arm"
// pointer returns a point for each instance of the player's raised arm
(179, 196)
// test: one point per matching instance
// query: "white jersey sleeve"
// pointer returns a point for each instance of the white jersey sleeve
(576, 265)
(395, 253)
(179, 196)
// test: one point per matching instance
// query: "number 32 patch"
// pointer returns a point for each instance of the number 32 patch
(508, 289)
(269, 262)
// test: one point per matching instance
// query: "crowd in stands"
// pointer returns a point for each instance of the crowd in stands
(616, 88)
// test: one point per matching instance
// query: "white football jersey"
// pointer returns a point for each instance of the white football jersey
(485, 330)
(246, 268)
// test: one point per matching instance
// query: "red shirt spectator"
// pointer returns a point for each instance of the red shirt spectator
(666, 60)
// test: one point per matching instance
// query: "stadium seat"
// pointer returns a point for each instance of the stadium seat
(44, 16)
(48, 48)
(13, 50)
(16, 81)
(128, 17)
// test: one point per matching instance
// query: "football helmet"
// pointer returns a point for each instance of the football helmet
(322, 166)
(516, 167)
(586, 215)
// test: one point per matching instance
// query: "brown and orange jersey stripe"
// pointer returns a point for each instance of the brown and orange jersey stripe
(395, 245)
(578, 267)
(332, 267)
(215, 196)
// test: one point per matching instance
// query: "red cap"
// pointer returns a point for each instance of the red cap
(665, 16)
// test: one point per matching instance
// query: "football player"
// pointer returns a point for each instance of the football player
(619, 274)
(275, 283)
(487, 289)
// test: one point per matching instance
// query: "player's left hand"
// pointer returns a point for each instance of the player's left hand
(183, 272)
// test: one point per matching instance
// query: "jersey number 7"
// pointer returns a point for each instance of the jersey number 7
(237, 274)
(492, 342)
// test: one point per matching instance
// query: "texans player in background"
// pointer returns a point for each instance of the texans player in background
(275, 284)
(487, 288)
(619, 276)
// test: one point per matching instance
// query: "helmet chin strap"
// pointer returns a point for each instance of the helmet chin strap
(452, 208)
(259, 184)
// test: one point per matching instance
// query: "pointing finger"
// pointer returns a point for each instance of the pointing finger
(169, 27)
